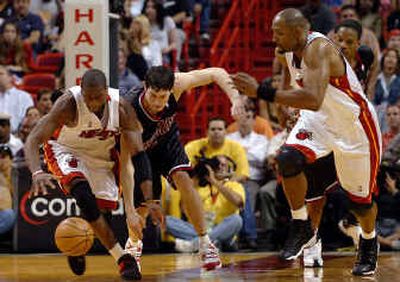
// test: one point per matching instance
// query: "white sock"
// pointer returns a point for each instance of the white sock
(368, 235)
(301, 213)
(204, 241)
(116, 251)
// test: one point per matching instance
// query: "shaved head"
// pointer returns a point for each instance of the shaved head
(292, 18)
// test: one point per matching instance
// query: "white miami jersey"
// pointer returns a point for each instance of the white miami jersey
(88, 139)
(344, 101)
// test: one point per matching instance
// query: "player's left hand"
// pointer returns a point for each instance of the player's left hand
(238, 108)
(155, 212)
(245, 84)
(135, 223)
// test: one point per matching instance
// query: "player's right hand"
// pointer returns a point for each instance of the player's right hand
(136, 223)
(40, 183)
(245, 84)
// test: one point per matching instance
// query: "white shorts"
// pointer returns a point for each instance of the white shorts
(356, 147)
(100, 174)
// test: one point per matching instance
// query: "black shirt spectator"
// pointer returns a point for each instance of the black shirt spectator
(6, 11)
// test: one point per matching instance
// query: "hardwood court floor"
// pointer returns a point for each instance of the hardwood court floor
(178, 268)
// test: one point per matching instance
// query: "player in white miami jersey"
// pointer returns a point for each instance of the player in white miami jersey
(81, 134)
(335, 117)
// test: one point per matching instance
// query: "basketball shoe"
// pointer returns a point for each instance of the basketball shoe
(209, 257)
(301, 235)
(135, 250)
(367, 256)
(77, 264)
(312, 256)
(128, 268)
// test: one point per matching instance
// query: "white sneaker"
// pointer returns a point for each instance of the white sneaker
(135, 250)
(312, 257)
(186, 246)
(210, 258)
(353, 231)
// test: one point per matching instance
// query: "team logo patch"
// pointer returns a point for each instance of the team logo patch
(304, 134)
(73, 162)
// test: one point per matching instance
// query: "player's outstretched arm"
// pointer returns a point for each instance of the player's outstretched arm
(187, 80)
(63, 112)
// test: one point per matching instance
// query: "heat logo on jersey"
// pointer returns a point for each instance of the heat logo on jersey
(304, 134)
(102, 134)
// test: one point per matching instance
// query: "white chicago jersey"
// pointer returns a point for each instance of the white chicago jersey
(345, 124)
(88, 149)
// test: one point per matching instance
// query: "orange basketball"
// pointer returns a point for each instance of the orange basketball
(74, 236)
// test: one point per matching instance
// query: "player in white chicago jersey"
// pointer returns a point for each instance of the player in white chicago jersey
(81, 135)
(335, 117)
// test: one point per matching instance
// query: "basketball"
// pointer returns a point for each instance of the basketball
(74, 236)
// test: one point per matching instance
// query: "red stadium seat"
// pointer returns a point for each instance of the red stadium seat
(49, 62)
(32, 83)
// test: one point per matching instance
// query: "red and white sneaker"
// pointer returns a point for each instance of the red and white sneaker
(135, 250)
(210, 258)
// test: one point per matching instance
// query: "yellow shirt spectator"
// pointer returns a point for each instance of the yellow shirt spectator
(214, 202)
(230, 148)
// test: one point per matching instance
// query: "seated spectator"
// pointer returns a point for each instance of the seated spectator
(387, 89)
(322, 19)
(7, 214)
(222, 199)
(33, 113)
(6, 138)
(202, 8)
(133, 8)
(43, 102)
(6, 11)
(393, 41)
(163, 28)
(14, 53)
(30, 25)
(268, 110)
(26, 127)
(141, 42)
(13, 101)
(127, 79)
(393, 122)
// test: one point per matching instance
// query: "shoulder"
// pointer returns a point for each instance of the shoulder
(318, 50)
(232, 144)
(196, 143)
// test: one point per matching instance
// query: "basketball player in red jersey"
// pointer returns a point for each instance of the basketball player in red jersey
(80, 134)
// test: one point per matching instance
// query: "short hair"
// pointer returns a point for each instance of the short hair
(216, 119)
(56, 94)
(353, 24)
(41, 92)
(160, 77)
(348, 7)
(94, 78)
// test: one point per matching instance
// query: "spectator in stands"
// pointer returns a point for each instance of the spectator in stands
(32, 113)
(202, 8)
(17, 55)
(222, 199)
(30, 25)
(26, 127)
(394, 39)
(322, 19)
(44, 102)
(6, 138)
(369, 15)
(163, 29)
(393, 123)
(141, 42)
(127, 79)
(6, 11)
(387, 89)
(13, 101)
(369, 39)
(261, 125)
(7, 214)
(267, 110)
(133, 8)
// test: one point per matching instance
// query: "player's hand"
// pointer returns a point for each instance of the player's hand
(135, 223)
(238, 108)
(41, 181)
(245, 84)
(155, 212)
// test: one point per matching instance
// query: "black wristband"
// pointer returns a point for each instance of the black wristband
(266, 92)
(142, 167)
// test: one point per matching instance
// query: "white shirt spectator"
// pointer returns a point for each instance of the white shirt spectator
(15, 102)
(161, 35)
(256, 146)
(152, 54)
(15, 144)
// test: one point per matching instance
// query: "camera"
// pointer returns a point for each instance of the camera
(200, 170)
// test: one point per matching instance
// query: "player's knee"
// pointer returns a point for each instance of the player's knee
(182, 179)
(291, 161)
(85, 200)
(360, 209)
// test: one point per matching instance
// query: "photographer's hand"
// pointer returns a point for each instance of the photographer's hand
(211, 176)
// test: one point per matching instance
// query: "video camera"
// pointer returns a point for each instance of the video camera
(200, 170)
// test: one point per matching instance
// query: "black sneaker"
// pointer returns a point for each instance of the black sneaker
(301, 235)
(77, 264)
(367, 256)
(128, 268)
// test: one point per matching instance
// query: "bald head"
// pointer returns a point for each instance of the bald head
(292, 18)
